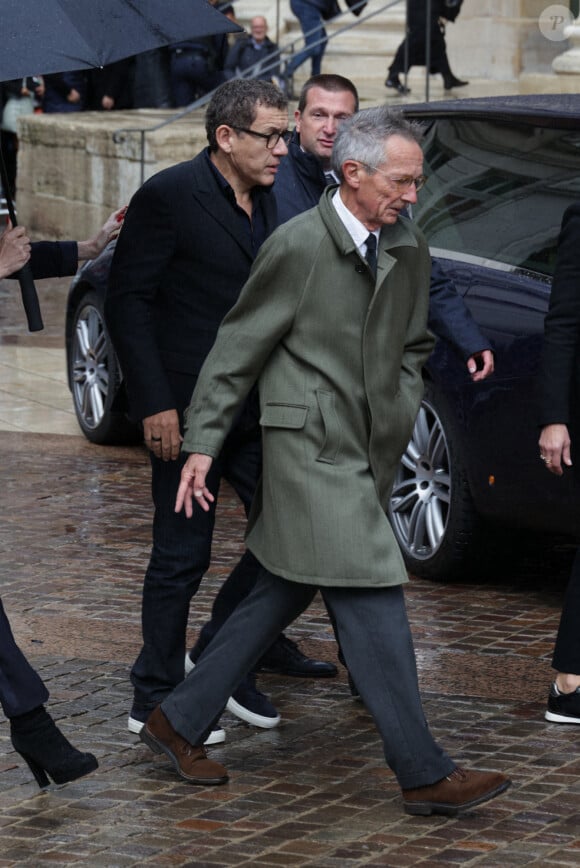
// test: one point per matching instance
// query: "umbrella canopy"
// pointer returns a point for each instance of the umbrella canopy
(42, 36)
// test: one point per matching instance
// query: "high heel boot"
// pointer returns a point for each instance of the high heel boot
(38, 740)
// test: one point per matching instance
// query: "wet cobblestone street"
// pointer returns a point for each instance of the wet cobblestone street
(74, 539)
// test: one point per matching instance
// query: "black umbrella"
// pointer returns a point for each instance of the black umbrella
(42, 36)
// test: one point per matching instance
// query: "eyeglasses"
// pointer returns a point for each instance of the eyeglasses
(401, 184)
(271, 139)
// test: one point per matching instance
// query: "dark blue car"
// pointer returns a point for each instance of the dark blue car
(501, 172)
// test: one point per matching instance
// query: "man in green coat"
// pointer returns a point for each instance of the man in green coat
(332, 325)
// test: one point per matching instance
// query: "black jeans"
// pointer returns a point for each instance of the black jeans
(181, 555)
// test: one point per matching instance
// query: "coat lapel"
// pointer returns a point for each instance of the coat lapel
(211, 198)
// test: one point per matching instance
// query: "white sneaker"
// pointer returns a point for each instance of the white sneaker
(248, 703)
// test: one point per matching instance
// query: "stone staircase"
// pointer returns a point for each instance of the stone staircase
(496, 44)
(361, 51)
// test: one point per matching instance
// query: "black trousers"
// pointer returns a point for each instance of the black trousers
(21, 687)
(567, 649)
(181, 554)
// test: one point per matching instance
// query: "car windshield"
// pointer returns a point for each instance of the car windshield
(497, 191)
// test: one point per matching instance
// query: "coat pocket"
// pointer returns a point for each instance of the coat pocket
(283, 415)
(332, 430)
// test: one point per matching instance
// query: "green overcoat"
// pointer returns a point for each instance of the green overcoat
(338, 359)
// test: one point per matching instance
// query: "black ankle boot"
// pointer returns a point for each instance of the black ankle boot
(38, 740)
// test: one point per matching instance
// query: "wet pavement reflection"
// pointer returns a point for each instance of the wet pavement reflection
(74, 537)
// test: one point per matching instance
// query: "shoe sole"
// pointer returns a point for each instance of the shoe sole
(216, 736)
(425, 809)
(560, 718)
(158, 747)
(251, 717)
(238, 710)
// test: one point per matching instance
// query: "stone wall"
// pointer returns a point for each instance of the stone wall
(73, 170)
(500, 39)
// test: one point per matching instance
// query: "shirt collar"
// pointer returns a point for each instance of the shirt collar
(357, 231)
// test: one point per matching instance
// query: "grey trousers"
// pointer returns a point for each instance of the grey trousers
(376, 641)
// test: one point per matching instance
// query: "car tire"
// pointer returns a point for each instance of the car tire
(430, 508)
(95, 376)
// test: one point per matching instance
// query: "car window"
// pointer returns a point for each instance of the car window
(497, 191)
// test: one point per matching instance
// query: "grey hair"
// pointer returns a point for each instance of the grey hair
(362, 137)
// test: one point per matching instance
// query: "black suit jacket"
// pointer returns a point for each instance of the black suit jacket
(179, 265)
(560, 370)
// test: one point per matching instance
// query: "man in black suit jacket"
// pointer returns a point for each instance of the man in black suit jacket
(189, 239)
(560, 418)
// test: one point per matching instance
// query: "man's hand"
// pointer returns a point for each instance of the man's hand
(484, 368)
(91, 248)
(192, 484)
(14, 249)
(555, 448)
(162, 435)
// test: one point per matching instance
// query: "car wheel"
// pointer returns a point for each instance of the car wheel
(95, 376)
(430, 508)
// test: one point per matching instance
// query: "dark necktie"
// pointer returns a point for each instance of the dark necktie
(371, 255)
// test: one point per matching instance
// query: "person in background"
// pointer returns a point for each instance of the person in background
(414, 44)
(559, 383)
(255, 52)
(311, 15)
(64, 92)
(23, 694)
(111, 86)
(23, 96)
(197, 67)
(151, 80)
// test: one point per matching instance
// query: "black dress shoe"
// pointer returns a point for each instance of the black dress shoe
(448, 83)
(284, 657)
(396, 84)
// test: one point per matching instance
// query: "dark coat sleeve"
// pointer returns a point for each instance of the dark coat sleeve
(143, 252)
(559, 380)
(53, 259)
(180, 262)
(450, 318)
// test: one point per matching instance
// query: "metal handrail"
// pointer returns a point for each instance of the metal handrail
(289, 49)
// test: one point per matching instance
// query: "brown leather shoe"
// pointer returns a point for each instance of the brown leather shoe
(458, 792)
(190, 762)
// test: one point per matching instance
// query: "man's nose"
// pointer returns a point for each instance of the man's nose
(410, 195)
(281, 148)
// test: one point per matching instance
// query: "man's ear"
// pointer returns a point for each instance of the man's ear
(297, 116)
(351, 170)
(223, 136)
